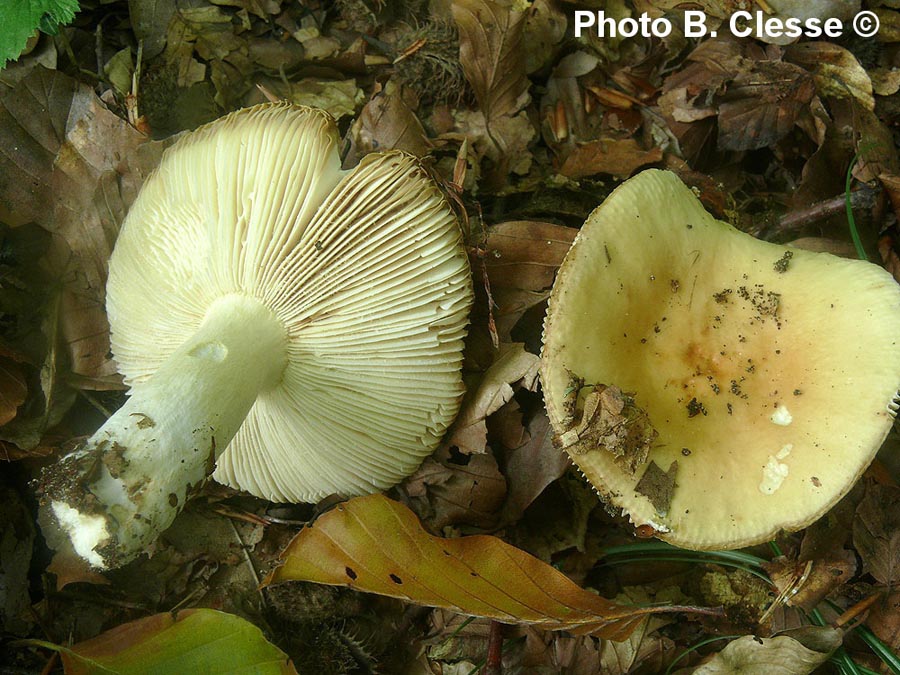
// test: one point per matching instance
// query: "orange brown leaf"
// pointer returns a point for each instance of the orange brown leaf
(377, 545)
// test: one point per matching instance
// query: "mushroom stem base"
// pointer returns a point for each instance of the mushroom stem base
(117, 492)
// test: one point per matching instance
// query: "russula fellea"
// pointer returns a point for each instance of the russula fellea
(295, 326)
(716, 387)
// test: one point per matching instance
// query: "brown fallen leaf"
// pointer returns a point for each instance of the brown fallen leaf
(71, 568)
(806, 583)
(491, 54)
(521, 259)
(545, 30)
(17, 534)
(531, 467)
(884, 620)
(503, 140)
(469, 432)
(445, 493)
(386, 122)
(24, 173)
(608, 420)
(762, 104)
(375, 545)
(836, 71)
(51, 401)
(658, 486)
(756, 99)
(526, 253)
(889, 257)
(13, 388)
(796, 652)
(617, 157)
(76, 170)
(876, 533)
(688, 93)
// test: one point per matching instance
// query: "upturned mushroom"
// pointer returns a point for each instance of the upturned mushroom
(297, 327)
(718, 388)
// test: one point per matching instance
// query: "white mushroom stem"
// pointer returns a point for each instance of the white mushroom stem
(116, 493)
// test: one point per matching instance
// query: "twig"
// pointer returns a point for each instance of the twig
(51, 664)
(791, 223)
(493, 665)
(857, 609)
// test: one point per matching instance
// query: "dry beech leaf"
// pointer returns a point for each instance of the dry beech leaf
(610, 156)
(149, 21)
(531, 467)
(491, 55)
(17, 534)
(885, 81)
(642, 645)
(191, 641)
(799, 653)
(526, 253)
(876, 533)
(761, 105)
(837, 72)
(493, 60)
(545, 29)
(387, 123)
(469, 432)
(806, 583)
(877, 152)
(446, 493)
(504, 140)
(32, 117)
(884, 620)
(77, 168)
(521, 261)
(376, 545)
(13, 388)
(71, 568)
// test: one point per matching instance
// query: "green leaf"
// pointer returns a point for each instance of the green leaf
(20, 19)
(193, 641)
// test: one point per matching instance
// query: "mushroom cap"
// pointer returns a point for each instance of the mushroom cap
(365, 269)
(769, 374)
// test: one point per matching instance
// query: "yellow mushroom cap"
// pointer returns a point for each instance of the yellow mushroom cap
(365, 270)
(769, 374)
